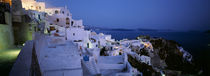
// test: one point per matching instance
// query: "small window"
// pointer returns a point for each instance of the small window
(39, 16)
(67, 21)
(56, 11)
(45, 15)
(39, 7)
(2, 16)
(73, 34)
(72, 22)
(67, 18)
(67, 14)
(63, 12)
(52, 28)
(57, 20)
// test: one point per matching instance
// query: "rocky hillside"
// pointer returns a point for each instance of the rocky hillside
(167, 57)
(208, 31)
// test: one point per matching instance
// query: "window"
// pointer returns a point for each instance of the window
(52, 28)
(56, 11)
(2, 16)
(45, 15)
(67, 18)
(39, 7)
(88, 45)
(63, 12)
(72, 22)
(39, 16)
(57, 20)
(67, 14)
(73, 34)
(67, 21)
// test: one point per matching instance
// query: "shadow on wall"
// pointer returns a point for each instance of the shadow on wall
(21, 33)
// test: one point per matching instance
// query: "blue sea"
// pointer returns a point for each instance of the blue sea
(196, 43)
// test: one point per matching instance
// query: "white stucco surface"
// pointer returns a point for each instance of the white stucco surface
(60, 60)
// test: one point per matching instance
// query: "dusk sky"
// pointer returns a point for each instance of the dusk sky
(150, 14)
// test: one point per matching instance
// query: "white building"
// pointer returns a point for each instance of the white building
(33, 5)
(60, 20)
(35, 15)
(101, 39)
(145, 59)
(80, 36)
(58, 10)
(77, 24)
(107, 66)
(59, 16)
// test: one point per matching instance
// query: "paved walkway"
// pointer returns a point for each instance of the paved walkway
(23, 62)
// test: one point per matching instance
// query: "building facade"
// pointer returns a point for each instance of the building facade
(6, 32)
